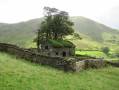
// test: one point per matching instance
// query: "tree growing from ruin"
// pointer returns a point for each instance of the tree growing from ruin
(55, 26)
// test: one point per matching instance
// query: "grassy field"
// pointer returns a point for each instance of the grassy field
(97, 54)
(112, 59)
(19, 74)
(92, 53)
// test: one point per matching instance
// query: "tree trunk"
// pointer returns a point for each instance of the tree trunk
(47, 35)
(55, 35)
(61, 37)
(38, 41)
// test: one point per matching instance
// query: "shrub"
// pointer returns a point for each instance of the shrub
(105, 49)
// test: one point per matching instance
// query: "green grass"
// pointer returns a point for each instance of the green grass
(98, 54)
(19, 74)
(109, 59)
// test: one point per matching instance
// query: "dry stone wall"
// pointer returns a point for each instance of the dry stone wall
(96, 63)
(114, 63)
(80, 65)
(62, 63)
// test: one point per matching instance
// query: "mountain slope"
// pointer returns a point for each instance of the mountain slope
(91, 28)
(94, 34)
(19, 33)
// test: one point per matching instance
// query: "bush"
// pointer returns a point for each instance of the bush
(105, 49)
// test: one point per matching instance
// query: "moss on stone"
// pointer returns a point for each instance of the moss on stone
(60, 43)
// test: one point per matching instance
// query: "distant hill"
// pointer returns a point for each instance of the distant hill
(94, 34)
(91, 28)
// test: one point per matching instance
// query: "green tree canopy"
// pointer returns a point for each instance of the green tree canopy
(55, 26)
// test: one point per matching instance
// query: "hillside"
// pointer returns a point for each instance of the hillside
(91, 28)
(20, 74)
(19, 33)
(94, 34)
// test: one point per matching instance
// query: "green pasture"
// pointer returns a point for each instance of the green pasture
(97, 54)
(20, 74)
(109, 59)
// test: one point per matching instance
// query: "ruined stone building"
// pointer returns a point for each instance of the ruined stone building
(58, 47)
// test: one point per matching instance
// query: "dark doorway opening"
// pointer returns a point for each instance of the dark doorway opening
(56, 53)
(46, 47)
(64, 54)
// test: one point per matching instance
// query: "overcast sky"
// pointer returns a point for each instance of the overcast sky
(103, 11)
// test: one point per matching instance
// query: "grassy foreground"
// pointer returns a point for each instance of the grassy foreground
(19, 74)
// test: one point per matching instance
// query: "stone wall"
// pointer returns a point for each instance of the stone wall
(57, 62)
(96, 63)
(114, 63)
(46, 44)
(68, 51)
(75, 64)
(80, 65)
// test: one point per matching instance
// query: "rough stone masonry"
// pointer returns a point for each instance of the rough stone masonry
(67, 64)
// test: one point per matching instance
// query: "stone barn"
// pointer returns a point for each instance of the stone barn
(58, 47)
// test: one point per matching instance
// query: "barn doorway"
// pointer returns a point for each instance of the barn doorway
(64, 54)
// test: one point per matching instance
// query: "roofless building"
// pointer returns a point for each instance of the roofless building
(58, 47)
